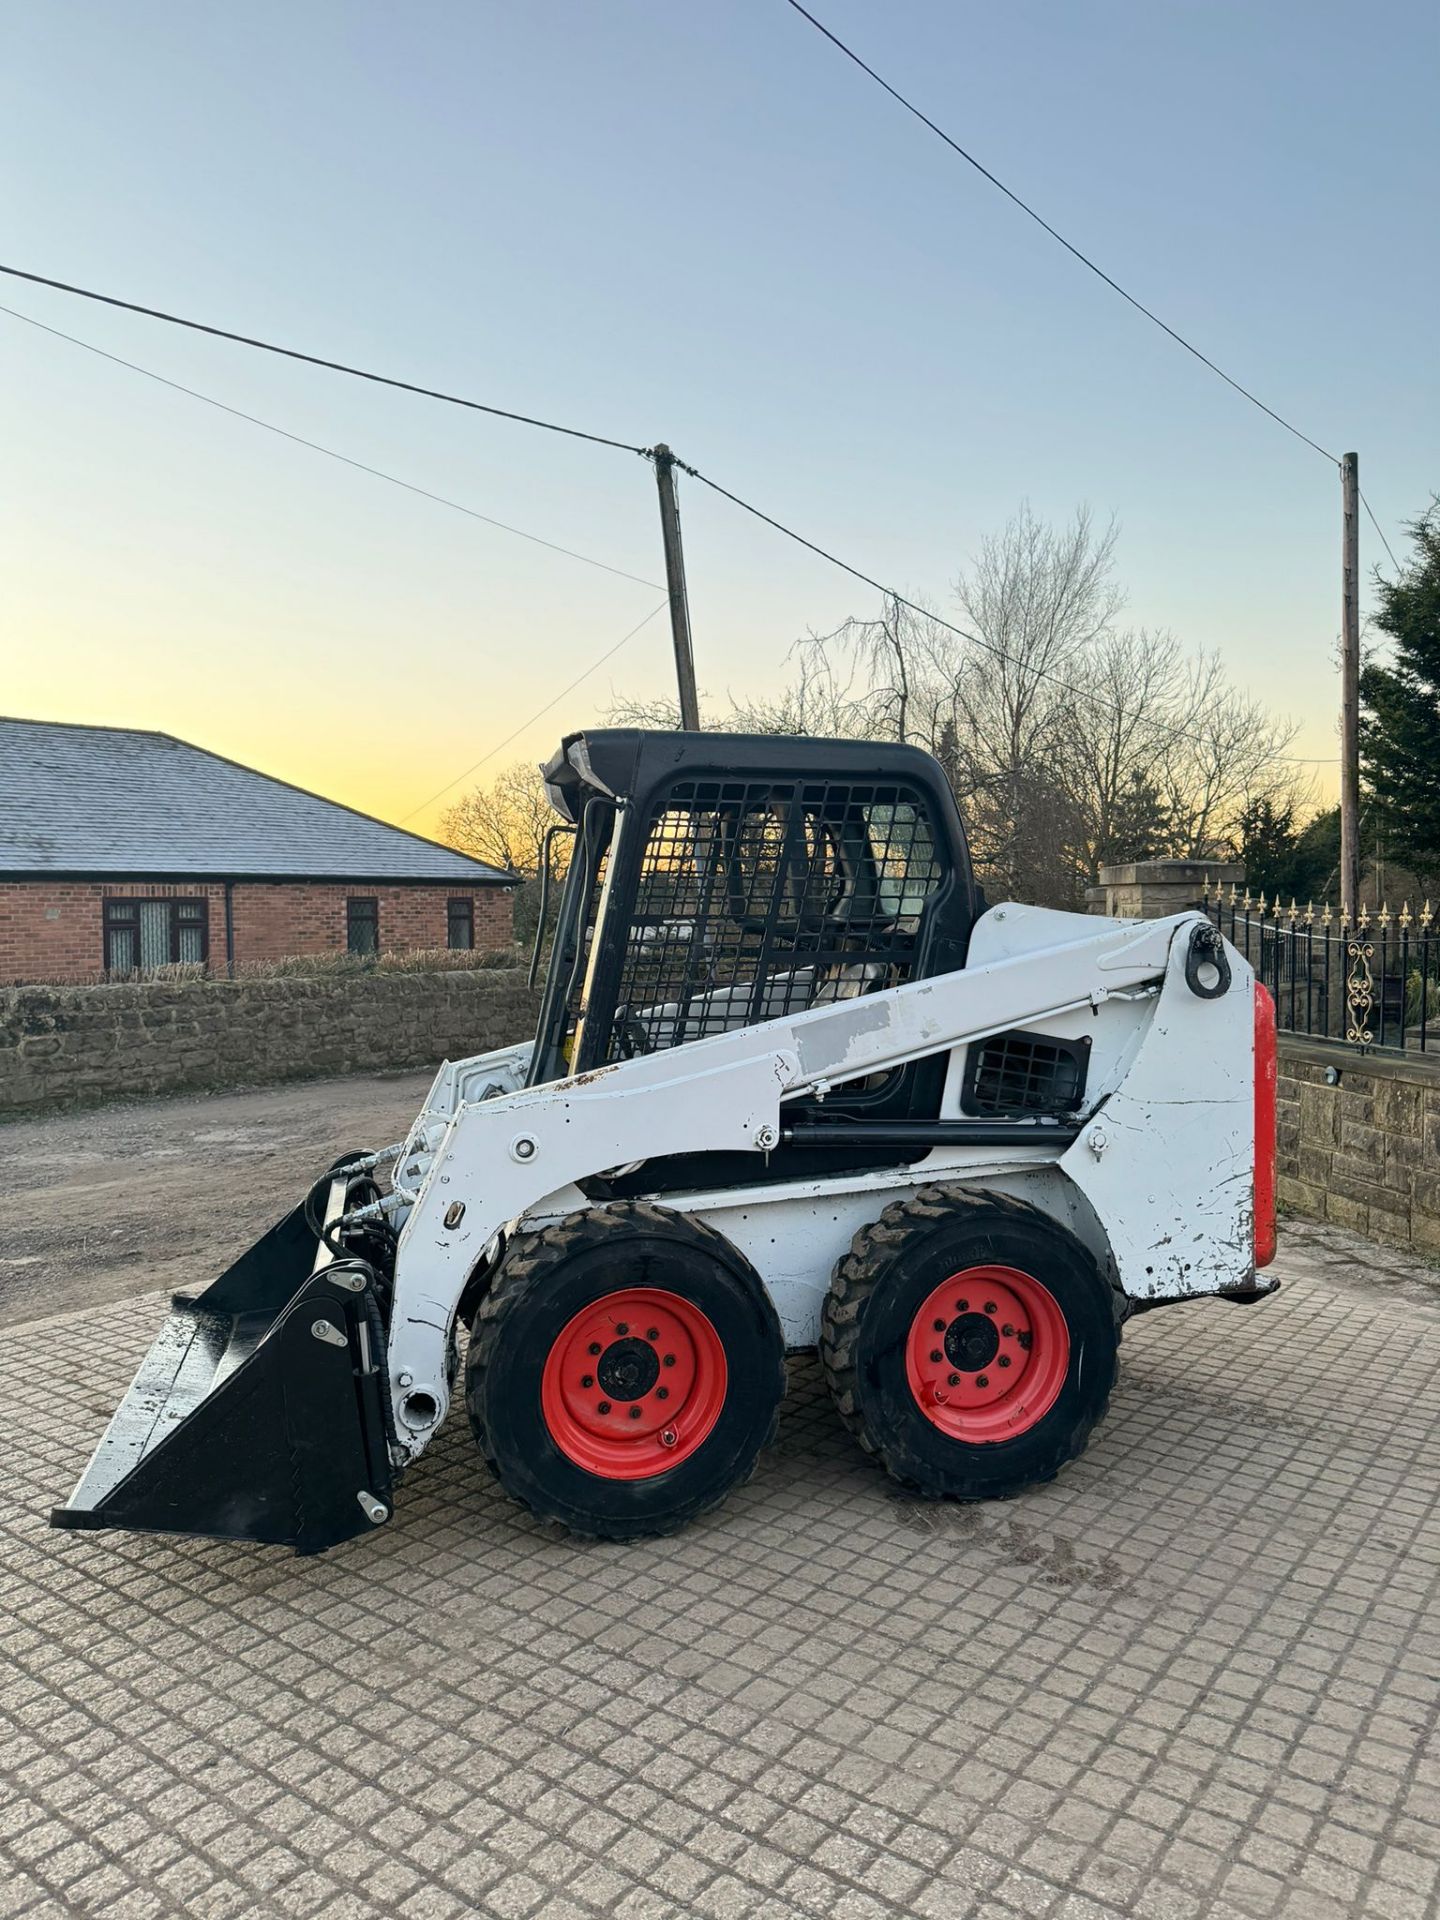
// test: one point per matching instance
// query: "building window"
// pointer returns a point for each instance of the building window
(362, 926)
(460, 924)
(155, 933)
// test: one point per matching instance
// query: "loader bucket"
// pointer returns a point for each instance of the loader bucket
(260, 1413)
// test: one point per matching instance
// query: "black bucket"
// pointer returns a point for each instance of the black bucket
(262, 1410)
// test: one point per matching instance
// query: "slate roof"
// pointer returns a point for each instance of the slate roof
(113, 800)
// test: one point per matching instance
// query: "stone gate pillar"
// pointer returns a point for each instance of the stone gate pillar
(1151, 889)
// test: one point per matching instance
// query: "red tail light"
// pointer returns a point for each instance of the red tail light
(1265, 1072)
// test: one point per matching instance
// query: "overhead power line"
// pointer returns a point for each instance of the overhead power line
(316, 360)
(538, 714)
(551, 426)
(1055, 234)
(315, 446)
(644, 452)
(410, 487)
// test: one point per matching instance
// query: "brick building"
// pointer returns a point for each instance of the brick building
(122, 850)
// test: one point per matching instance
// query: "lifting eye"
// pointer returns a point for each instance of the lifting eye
(1207, 967)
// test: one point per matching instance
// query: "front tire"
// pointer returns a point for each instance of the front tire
(970, 1344)
(625, 1370)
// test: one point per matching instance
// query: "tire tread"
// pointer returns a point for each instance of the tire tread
(527, 1263)
(861, 1271)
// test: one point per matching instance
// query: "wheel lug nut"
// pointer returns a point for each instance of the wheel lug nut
(587, 1379)
(982, 1380)
(1004, 1360)
(594, 1347)
(623, 1327)
(939, 1326)
(936, 1355)
(634, 1413)
(652, 1333)
(989, 1306)
(1008, 1331)
(952, 1380)
(604, 1407)
(962, 1306)
(662, 1393)
(669, 1360)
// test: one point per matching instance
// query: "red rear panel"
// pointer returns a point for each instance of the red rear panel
(1265, 1071)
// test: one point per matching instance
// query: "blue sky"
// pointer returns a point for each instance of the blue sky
(695, 223)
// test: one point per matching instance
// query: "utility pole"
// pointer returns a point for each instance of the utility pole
(675, 579)
(1350, 690)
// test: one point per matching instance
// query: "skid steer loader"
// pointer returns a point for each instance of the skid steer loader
(792, 1086)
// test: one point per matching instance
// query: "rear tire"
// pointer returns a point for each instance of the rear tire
(970, 1344)
(625, 1371)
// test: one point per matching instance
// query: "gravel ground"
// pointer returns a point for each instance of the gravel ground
(1197, 1676)
(101, 1206)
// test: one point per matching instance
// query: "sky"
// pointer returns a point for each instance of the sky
(697, 223)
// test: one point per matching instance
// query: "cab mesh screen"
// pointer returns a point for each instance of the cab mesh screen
(758, 899)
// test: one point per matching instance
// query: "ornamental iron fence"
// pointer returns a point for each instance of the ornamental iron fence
(1374, 983)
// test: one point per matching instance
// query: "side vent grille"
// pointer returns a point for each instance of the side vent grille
(1016, 1073)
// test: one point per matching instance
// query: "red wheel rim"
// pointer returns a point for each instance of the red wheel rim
(633, 1384)
(987, 1354)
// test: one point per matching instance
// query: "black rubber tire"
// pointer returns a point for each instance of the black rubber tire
(544, 1279)
(878, 1287)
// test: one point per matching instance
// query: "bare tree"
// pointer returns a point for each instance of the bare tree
(505, 823)
(660, 711)
(1037, 600)
(1069, 742)
(868, 667)
(825, 700)
(1127, 702)
(1226, 753)
(1038, 594)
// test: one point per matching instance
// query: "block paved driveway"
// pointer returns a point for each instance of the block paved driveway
(1196, 1676)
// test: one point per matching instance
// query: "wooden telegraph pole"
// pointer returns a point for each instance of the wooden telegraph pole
(1350, 689)
(675, 579)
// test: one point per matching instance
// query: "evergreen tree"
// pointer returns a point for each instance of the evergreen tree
(1140, 828)
(1400, 707)
(1297, 863)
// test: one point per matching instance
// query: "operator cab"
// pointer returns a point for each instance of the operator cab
(721, 880)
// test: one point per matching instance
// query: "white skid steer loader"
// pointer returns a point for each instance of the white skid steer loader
(792, 1086)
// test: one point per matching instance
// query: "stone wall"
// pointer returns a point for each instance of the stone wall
(1359, 1134)
(70, 1046)
(1360, 1140)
